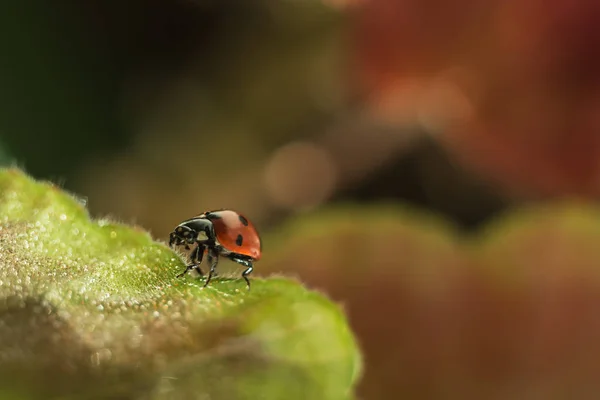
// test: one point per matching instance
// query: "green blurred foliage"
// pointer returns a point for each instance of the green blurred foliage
(6, 158)
(92, 309)
(84, 80)
(58, 86)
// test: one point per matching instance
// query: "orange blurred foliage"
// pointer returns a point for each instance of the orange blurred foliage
(527, 69)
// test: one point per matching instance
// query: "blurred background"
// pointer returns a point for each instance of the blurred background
(347, 125)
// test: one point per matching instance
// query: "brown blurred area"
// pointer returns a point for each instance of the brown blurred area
(159, 110)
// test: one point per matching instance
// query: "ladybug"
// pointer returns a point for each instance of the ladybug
(218, 233)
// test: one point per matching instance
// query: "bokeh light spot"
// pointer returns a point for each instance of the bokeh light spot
(300, 175)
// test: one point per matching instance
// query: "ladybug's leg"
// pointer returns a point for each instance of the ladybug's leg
(249, 268)
(211, 237)
(213, 260)
(196, 260)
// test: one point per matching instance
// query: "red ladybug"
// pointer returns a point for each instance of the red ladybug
(218, 233)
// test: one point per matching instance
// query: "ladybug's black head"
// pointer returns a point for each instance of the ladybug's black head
(182, 235)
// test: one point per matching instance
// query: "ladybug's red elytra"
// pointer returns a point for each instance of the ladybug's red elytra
(218, 233)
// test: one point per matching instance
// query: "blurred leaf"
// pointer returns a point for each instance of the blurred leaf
(509, 313)
(92, 309)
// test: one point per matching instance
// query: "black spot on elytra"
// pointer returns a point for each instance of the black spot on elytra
(239, 240)
(243, 220)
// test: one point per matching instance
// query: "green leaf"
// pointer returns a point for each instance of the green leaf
(93, 309)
